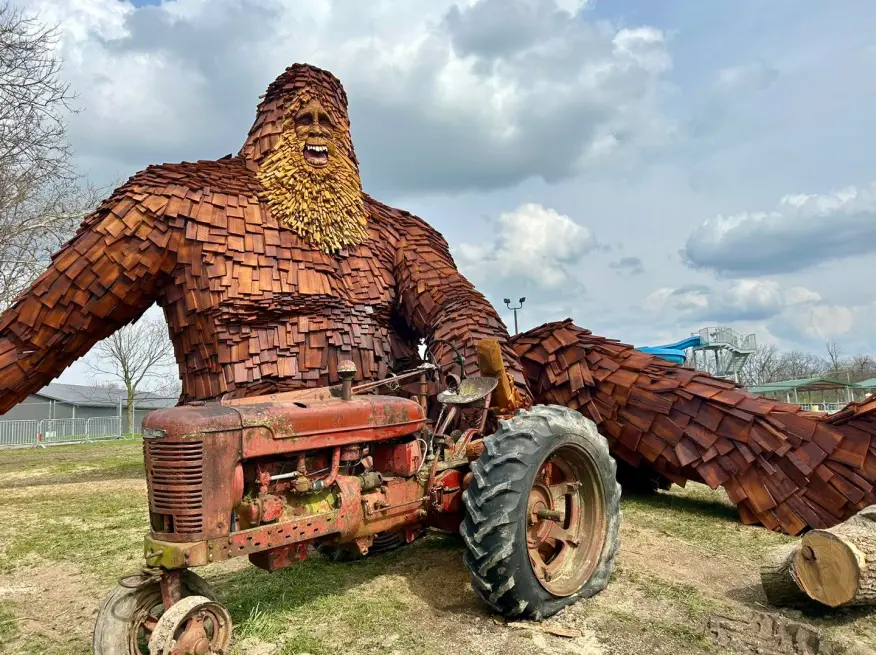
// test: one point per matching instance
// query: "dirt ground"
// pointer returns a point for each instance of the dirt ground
(686, 580)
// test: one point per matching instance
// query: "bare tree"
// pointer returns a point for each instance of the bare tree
(42, 198)
(167, 386)
(862, 367)
(762, 366)
(796, 364)
(136, 356)
(834, 355)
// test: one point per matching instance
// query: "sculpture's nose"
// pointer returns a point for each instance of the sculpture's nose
(317, 127)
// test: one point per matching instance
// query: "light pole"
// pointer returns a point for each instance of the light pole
(514, 309)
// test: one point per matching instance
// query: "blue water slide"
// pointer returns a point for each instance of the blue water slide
(673, 352)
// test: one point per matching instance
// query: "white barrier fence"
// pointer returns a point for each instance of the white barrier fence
(50, 431)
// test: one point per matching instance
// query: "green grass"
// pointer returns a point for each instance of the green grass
(92, 528)
(8, 622)
(684, 598)
(71, 464)
(298, 600)
(83, 528)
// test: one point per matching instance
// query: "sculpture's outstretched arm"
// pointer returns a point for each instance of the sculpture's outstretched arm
(782, 467)
(440, 303)
(107, 275)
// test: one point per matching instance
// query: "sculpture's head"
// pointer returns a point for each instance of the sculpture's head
(301, 144)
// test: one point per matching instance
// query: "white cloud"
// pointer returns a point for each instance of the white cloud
(742, 78)
(803, 231)
(741, 300)
(692, 299)
(495, 91)
(631, 265)
(825, 321)
(813, 324)
(534, 244)
(800, 295)
(794, 315)
(645, 46)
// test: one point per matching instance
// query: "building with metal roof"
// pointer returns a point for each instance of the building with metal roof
(800, 392)
(74, 401)
(868, 384)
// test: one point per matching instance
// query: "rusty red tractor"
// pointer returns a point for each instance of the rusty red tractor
(351, 472)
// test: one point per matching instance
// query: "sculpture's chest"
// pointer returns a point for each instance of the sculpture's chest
(250, 267)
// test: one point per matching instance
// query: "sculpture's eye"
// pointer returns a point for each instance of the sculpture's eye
(325, 120)
(304, 119)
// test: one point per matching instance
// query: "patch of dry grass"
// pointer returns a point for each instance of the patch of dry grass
(702, 518)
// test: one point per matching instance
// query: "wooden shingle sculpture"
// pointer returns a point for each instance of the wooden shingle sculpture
(273, 266)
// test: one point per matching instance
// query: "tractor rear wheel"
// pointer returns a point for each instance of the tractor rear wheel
(542, 513)
(128, 616)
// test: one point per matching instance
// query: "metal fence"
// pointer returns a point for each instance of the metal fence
(18, 433)
(712, 336)
(51, 431)
(830, 408)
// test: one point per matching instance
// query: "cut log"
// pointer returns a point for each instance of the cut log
(837, 566)
(777, 579)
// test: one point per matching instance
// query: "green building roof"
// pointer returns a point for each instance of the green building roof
(804, 384)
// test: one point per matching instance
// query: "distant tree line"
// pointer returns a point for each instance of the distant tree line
(769, 364)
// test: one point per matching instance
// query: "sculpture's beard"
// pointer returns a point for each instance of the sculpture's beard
(322, 204)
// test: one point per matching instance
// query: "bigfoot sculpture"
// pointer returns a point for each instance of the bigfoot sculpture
(272, 266)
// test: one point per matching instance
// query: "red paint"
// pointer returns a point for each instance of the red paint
(398, 459)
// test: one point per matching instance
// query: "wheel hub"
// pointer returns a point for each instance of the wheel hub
(565, 521)
(193, 640)
(193, 626)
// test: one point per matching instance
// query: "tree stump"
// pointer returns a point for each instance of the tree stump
(777, 578)
(837, 566)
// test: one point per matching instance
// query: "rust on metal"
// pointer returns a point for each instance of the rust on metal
(171, 589)
(346, 371)
(566, 529)
(281, 557)
(403, 459)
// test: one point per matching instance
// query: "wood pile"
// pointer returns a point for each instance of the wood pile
(834, 566)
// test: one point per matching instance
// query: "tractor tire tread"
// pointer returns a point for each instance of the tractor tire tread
(496, 500)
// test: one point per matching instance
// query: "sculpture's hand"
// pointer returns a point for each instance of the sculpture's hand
(441, 304)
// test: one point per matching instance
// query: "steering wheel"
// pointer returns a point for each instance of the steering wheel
(458, 359)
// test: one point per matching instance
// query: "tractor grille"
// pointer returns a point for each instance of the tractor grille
(176, 483)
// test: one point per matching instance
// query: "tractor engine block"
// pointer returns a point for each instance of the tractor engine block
(264, 476)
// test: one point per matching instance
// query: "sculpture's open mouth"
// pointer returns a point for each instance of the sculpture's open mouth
(316, 154)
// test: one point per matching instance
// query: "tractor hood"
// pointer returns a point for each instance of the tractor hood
(270, 425)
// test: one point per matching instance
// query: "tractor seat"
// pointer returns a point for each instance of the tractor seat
(469, 390)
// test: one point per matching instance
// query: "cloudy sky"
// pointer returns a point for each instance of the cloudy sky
(647, 168)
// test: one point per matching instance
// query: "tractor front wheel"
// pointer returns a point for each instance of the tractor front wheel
(130, 614)
(542, 513)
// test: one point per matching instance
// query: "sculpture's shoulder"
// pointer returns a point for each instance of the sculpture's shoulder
(401, 226)
(229, 175)
(171, 193)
